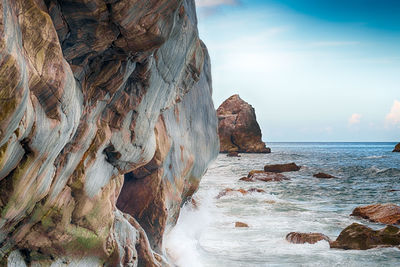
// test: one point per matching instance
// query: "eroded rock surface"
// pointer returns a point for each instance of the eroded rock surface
(92, 91)
(238, 128)
(361, 237)
(382, 213)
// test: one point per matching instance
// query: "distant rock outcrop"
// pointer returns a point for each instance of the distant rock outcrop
(382, 213)
(238, 127)
(397, 148)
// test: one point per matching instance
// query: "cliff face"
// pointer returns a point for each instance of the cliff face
(238, 127)
(92, 93)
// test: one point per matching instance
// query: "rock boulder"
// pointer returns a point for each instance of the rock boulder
(360, 237)
(278, 168)
(322, 175)
(238, 128)
(382, 213)
(301, 238)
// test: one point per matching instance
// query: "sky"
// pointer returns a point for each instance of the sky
(314, 70)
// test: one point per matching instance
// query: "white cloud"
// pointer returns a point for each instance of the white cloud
(393, 117)
(214, 3)
(354, 119)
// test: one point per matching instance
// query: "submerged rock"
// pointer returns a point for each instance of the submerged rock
(397, 148)
(241, 225)
(360, 237)
(382, 213)
(233, 154)
(101, 102)
(256, 175)
(301, 238)
(241, 190)
(322, 175)
(238, 128)
(278, 168)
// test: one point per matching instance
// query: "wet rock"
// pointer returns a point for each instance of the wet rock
(241, 225)
(360, 237)
(233, 154)
(301, 238)
(257, 190)
(382, 213)
(238, 128)
(257, 175)
(322, 175)
(397, 148)
(278, 168)
(241, 190)
(106, 102)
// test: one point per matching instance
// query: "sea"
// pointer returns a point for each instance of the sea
(367, 173)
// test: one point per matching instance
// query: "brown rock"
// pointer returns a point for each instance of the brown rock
(397, 148)
(233, 154)
(263, 176)
(360, 237)
(382, 213)
(301, 238)
(322, 175)
(241, 224)
(287, 167)
(238, 127)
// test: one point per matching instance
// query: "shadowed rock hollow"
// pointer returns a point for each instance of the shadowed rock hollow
(92, 91)
(238, 128)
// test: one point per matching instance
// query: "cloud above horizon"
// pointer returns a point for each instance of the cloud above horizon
(355, 119)
(393, 117)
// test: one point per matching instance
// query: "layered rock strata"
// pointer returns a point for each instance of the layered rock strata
(92, 93)
(238, 128)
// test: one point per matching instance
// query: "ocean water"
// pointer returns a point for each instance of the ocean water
(207, 236)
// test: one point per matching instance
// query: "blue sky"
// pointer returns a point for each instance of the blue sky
(315, 70)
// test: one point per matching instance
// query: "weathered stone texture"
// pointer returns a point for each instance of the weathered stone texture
(238, 128)
(92, 91)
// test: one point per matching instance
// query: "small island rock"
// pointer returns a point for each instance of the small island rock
(238, 128)
(257, 175)
(397, 148)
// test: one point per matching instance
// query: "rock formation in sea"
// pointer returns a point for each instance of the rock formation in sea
(103, 104)
(238, 128)
(301, 238)
(383, 213)
(397, 148)
(285, 167)
(361, 237)
(322, 175)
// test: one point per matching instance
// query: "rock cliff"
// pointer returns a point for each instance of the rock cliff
(397, 148)
(238, 128)
(103, 104)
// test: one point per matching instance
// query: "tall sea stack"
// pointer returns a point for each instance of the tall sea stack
(238, 128)
(106, 128)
